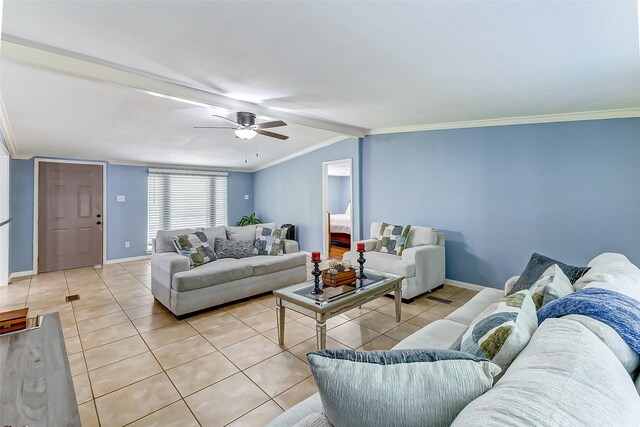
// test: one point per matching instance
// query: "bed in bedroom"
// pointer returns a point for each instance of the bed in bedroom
(340, 228)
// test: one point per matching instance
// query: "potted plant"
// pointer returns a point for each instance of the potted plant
(248, 220)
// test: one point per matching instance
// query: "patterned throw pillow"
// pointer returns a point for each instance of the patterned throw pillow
(392, 238)
(234, 249)
(503, 330)
(196, 247)
(536, 268)
(270, 241)
(553, 285)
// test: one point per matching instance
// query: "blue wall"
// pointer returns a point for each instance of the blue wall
(21, 207)
(291, 192)
(125, 221)
(569, 190)
(339, 193)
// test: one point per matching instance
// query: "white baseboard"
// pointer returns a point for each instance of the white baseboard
(20, 274)
(465, 285)
(133, 258)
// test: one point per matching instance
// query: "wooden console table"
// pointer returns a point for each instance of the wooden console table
(36, 388)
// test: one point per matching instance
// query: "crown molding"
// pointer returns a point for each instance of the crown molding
(5, 128)
(307, 150)
(510, 121)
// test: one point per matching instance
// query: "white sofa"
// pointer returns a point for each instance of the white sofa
(185, 290)
(422, 262)
(573, 372)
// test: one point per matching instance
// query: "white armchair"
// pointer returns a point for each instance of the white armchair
(422, 263)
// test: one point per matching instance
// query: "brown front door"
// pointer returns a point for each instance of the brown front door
(69, 216)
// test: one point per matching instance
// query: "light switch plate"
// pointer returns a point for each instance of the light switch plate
(120, 198)
(127, 244)
(246, 197)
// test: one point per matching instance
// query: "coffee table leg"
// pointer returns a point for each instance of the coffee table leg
(280, 318)
(398, 295)
(321, 332)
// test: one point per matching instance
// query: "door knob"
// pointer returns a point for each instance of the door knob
(98, 215)
(99, 222)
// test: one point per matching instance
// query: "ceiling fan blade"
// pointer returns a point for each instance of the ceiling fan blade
(225, 118)
(214, 127)
(272, 134)
(274, 124)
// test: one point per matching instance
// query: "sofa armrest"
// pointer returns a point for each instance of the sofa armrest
(510, 283)
(163, 267)
(291, 247)
(369, 244)
(430, 264)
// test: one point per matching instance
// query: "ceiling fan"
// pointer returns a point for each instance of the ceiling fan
(246, 127)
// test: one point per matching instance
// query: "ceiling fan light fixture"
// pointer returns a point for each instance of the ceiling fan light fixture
(245, 133)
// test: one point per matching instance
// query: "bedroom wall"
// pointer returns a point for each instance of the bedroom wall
(125, 221)
(568, 190)
(339, 193)
(291, 192)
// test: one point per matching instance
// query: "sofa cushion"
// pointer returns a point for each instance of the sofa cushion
(439, 334)
(246, 233)
(419, 236)
(476, 305)
(213, 232)
(196, 247)
(264, 264)
(234, 249)
(422, 387)
(536, 267)
(551, 287)
(164, 238)
(270, 241)
(309, 406)
(565, 377)
(501, 331)
(613, 272)
(383, 262)
(314, 420)
(213, 273)
(625, 354)
(392, 239)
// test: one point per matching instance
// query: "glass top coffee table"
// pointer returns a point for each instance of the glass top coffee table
(334, 301)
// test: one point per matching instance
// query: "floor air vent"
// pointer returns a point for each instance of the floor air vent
(74, 297)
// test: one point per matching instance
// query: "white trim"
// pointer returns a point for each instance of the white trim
(509, 121)
(81, 65)
(18, 274)
(466, 285)
(5, 128)
(36, 173)
(129, 259)
(325, 201)
(188, 172)
(307, 150)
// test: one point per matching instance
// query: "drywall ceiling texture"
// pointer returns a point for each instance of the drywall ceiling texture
(373, 65)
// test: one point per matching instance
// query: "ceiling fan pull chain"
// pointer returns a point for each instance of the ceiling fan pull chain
(257, 149)
(245, 152)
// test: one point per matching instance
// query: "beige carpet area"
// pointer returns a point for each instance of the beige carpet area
(134, 364)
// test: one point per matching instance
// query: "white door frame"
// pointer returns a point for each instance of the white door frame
(4, 214)
(325, 201)
(36, 175)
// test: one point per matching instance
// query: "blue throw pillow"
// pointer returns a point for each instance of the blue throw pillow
(398, 387)
(536, 267)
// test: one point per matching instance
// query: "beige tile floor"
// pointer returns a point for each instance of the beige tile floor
(134, 364)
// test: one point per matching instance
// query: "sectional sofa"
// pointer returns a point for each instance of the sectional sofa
(185, 290)
(575, 371)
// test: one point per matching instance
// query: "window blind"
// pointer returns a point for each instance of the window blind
(185, 199)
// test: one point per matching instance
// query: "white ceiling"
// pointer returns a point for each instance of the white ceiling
(367, 64)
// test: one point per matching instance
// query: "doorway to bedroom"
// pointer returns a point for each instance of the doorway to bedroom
(337, 192)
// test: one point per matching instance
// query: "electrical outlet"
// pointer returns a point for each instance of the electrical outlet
(120, 198)
(127, 244)
(246, 197)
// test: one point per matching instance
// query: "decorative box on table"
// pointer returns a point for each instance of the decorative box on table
(338, 274)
